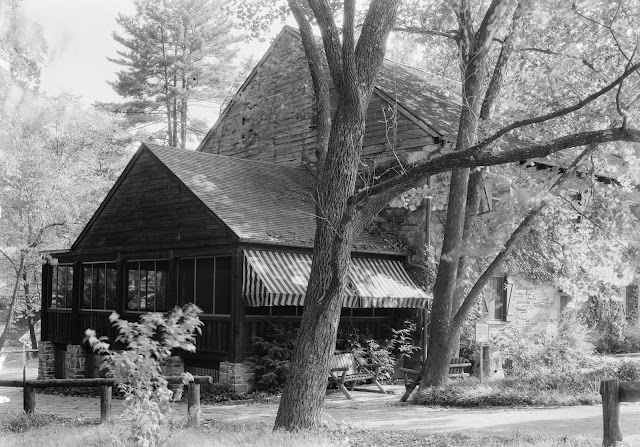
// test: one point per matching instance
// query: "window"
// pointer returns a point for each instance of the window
(207, 283)
(99, 285)
(495, 298)
(147, 285)
(61, 286)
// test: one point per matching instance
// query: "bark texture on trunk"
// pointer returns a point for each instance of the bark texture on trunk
(12, 305)
(353, 69)
(473, 49)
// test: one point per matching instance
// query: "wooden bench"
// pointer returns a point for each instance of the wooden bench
(411, 367)
(349, 368)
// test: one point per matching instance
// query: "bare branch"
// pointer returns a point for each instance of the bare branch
(557, 113)
(557, 53)
(475, 291)
(623, 113)
(375, 199)
(330, 39)
(452, 34)
(318, 78)
(3, 253)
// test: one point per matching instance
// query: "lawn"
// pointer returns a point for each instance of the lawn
(18, 430)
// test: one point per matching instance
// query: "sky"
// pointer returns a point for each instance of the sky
(79, 38)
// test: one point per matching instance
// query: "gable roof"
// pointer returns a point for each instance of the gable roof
(258, 202)
(418, 99)
(413, 91)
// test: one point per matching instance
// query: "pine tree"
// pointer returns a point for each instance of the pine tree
(176, 53)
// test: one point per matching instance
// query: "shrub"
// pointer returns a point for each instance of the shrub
(606, 317)
(137, 369)
(272, 357)
(383, 352)
(630, 340)
(564, 355)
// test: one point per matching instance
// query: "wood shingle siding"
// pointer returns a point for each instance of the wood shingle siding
(150, 208)
(276, 105)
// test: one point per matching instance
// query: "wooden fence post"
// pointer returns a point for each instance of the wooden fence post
(193, 405)
(29, 399)
(610, 391)
(105, 404)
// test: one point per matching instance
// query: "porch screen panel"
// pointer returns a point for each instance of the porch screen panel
(222, 292)
(204, 284)
(111, 287)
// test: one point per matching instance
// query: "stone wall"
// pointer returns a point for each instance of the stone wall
(237, 375)
(533, 308)
(76, 362)
(46, 360)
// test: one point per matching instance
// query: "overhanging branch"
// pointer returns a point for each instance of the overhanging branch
(557, 113)
(374, 199)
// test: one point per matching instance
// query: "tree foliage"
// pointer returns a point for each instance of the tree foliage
(176, 53)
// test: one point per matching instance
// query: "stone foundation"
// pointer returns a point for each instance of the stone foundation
(237, 375)
(76, 362)
(46, 360)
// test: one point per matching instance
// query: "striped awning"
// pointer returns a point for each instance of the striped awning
(280, 279)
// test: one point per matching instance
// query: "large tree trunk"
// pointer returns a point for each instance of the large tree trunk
(474, 48)
(353, 69)
(8, 322)
(27, 299)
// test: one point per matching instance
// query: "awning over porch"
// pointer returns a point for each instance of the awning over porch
(280, 279)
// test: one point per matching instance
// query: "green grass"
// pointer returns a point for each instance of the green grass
(82, 434)
(506, 393)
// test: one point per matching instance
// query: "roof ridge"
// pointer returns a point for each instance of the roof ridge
(240, 160)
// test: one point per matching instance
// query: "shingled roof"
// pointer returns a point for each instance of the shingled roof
(413, 91)
(257, 201)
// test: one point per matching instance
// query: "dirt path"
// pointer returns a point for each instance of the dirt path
(374, 411)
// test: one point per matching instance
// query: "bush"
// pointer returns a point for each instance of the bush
(137, 370)
(507, 392)
(272, 357)
(563, 355)
(629, 341)
(383, 352)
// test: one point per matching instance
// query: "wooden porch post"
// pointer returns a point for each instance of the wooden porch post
(46, 299)
(77, 331)
(237, 309)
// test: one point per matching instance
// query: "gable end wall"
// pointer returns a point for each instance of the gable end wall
(151, 210)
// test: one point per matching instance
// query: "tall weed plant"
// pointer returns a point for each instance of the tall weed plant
(137, 369)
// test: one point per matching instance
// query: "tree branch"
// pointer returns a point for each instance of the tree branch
(318, 78)
(557, 113)
(375, 198)
(475, 291)
(330, 39)
(13, 264)
(425, 32)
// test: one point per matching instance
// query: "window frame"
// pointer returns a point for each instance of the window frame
(490, 305)
(192, 299)
(68, 300)
(128, 264)
(113, 266)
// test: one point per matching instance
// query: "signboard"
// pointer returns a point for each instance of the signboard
(482, 332)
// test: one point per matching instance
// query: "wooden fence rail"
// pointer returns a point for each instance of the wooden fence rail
(106, 386)
(613, 392)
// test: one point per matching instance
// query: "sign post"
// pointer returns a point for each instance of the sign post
(482, 337)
